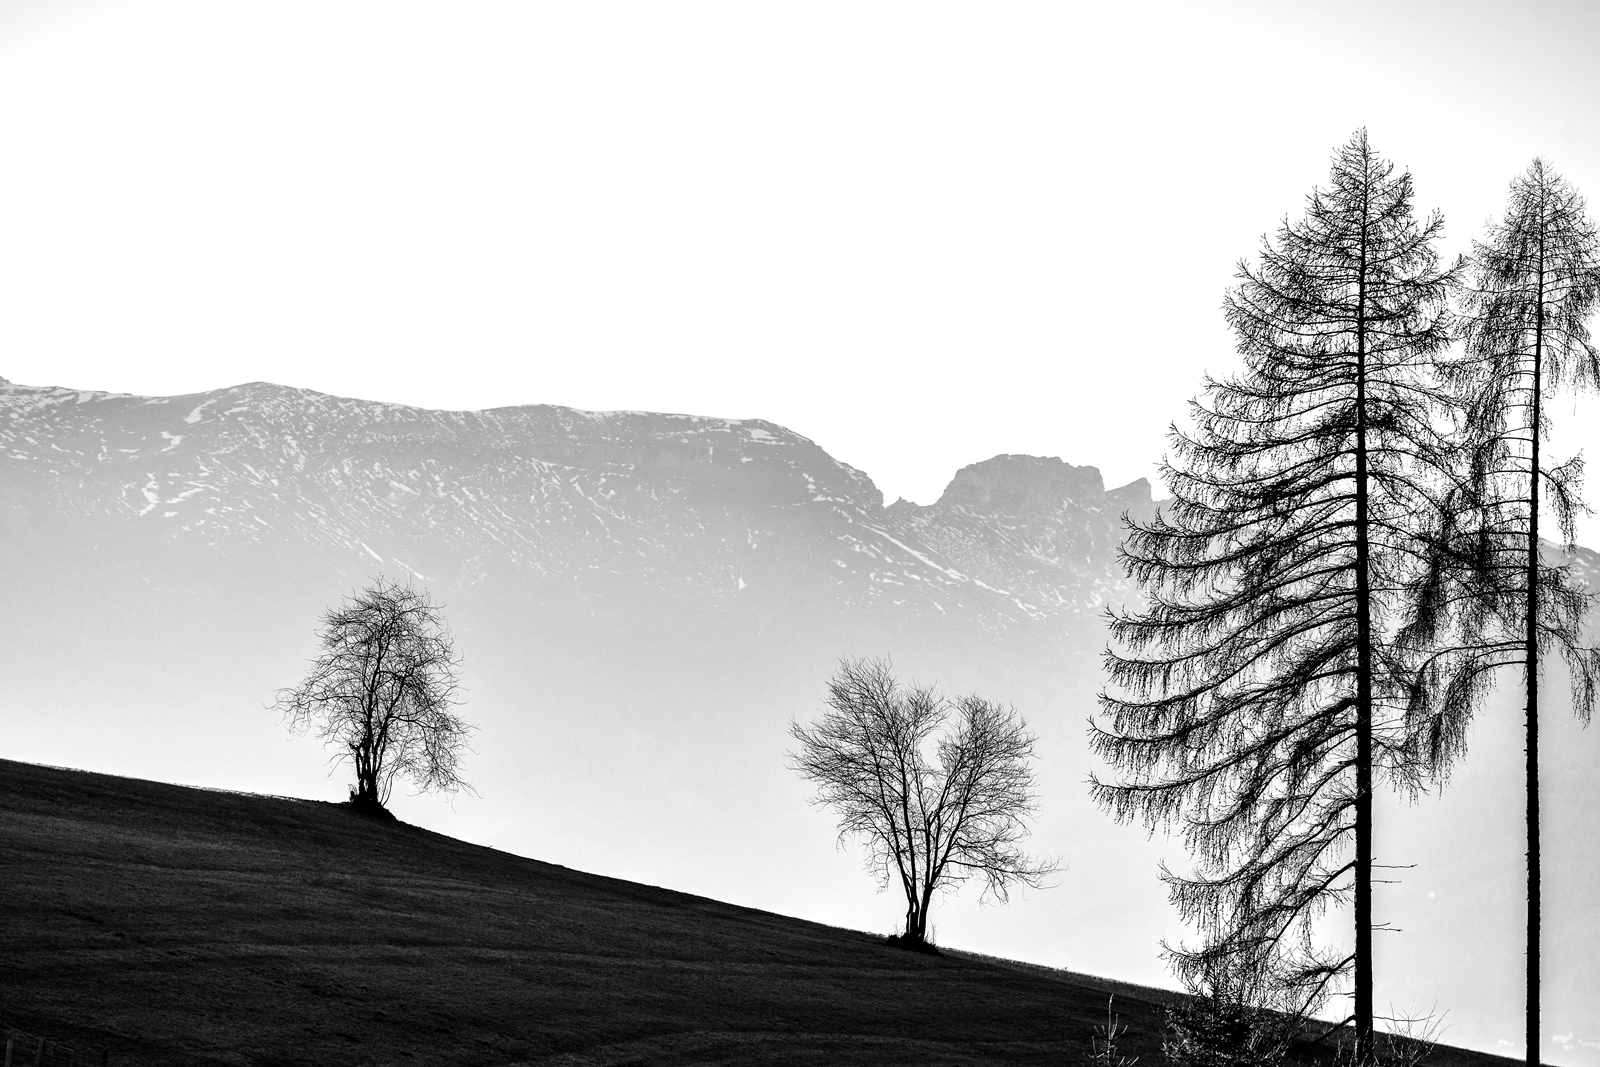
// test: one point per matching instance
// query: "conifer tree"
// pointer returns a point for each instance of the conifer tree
(1260, 697)
(1492, 601)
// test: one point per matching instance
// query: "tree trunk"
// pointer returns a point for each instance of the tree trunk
(366, 791)
(927, 905)
(1531, 671)
(1362, 1007)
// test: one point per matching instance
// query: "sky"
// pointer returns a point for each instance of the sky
(919, 234)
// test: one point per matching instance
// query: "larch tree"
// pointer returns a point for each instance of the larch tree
(1260, 696)
(1495, 601)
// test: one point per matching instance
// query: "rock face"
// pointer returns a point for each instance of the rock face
(1037, 525)
(1015, 485)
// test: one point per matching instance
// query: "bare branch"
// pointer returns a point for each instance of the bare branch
(927, 824)
(383, 693)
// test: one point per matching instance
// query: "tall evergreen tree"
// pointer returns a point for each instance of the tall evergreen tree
(1494, 601)
(1259, 699)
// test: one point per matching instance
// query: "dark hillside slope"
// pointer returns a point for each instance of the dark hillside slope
(179, 926)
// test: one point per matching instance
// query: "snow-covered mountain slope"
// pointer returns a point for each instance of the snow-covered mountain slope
(612, 504)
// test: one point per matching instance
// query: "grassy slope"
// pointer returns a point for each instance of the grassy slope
(183, 926)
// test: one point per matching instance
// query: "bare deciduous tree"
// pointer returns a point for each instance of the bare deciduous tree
(383, 692)
(928, 825)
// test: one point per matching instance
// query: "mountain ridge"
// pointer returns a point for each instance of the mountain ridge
(352, 466)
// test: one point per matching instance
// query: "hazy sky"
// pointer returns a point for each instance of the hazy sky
(921, 234)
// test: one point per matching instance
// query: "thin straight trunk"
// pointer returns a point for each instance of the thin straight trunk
(1315, 460)
(1531, 670)
(1363, 874)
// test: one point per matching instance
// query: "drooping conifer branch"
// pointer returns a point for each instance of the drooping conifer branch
(1496, 596)
(1260, 697)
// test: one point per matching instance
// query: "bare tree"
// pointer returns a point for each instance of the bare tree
(928, 825)
(383, 692)
(1493, 600)
(1259, 700)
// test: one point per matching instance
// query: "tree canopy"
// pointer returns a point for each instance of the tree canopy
(927, 824)
(383, 692)
(1261, 695)
(1498, 596)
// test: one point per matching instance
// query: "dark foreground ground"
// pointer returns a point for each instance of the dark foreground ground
(168, 925)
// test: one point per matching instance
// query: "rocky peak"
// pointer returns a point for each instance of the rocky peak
(1135, 498)
(1017, 484)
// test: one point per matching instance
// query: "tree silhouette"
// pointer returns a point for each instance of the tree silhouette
(1260, 697)
(1229, 1020)
(1492, 601)
(383, 693)
(927, 825)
